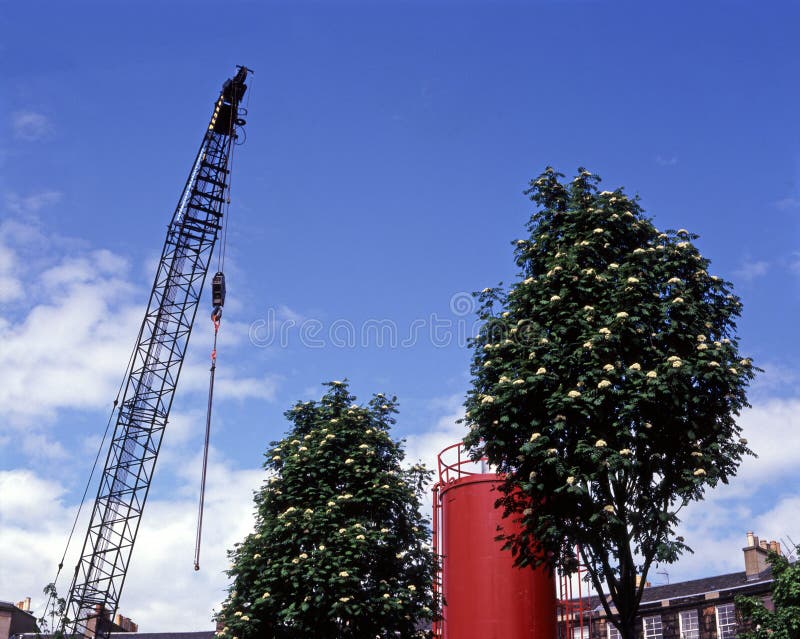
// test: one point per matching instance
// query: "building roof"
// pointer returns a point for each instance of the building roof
(717, 583)
(695, 588)
(7, 605)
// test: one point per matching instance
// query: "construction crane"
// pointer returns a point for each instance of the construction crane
(154, 368)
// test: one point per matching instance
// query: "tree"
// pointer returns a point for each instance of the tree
(784, 621)
(55, 608)
(605, 383)
(339, 548)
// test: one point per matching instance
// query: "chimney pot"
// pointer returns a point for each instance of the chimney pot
(751, 540)
(773, 546)
(763, 544)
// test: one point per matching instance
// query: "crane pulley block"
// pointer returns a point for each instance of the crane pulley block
(218, 289)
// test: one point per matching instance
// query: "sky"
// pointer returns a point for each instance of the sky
(380, 183)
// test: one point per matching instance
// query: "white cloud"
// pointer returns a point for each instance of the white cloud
(427, 445)
(35, 523)
(228, 382)
(780, 522)
(666, 160)
(787, 203)
(25, 497)
(30, 125)
(68, 351)
(69, 346)
(764, 497)
(64, 353)
(751, 270)
(166, 547)
(41, 448)
(10, 284)
(33, 203)
(776, 380)
(772, 428)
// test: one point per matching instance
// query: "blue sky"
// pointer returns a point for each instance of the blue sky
(387, 149)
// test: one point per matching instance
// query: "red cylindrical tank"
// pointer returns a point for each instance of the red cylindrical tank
(486, 596)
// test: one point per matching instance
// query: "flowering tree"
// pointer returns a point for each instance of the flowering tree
(783, 622)
(339, 547)
(605, 385)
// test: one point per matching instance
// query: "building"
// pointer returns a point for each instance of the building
(697, 609)
(16, 618)
(17, 622)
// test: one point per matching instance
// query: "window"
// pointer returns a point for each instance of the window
(690, 628)
(613, 633)
(652, 627)
(726, 622)
(580, 632)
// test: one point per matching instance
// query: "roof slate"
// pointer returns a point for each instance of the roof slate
(654, 595)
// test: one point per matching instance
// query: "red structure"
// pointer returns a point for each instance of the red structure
(486, 596)
(574, 617)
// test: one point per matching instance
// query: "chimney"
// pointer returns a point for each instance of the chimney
(92, 622)
(775, 547)
(25, 604)
(755, 556)
(125, 624)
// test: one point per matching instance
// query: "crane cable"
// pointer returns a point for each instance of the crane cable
(216, 318)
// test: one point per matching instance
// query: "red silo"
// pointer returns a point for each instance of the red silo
(486, 596)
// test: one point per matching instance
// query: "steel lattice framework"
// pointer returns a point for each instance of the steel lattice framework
(153, 374)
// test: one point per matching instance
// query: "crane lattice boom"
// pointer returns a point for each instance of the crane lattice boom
(153, 374)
